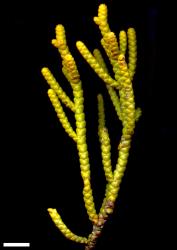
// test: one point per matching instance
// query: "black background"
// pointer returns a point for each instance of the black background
(39, 163)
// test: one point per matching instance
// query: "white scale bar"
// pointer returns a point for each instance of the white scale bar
(5, 244)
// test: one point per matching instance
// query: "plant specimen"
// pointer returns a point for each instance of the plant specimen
(121, 93)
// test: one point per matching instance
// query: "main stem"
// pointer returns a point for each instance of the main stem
(98, 226)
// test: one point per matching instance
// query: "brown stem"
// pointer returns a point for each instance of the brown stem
(98, 226)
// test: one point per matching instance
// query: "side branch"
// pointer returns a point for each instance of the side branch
(56, 87)
(112, 92)
(56, 218)
(96, 66)
(61, 114)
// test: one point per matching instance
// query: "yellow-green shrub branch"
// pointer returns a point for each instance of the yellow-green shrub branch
(60, 42)
(109, 40)
(50, 79)
(95, 65)
(132, 51)
(116, 102)
(113, 95)
(104, 140)
(101, 114)
(98, 56)
(102, 19)
(123, 42)
(61, 114)
(71, 73)
(110, 44)
(81, 135)
(106, 154)
(112, 188)
(63, 228)
(122, 96)
(83, 152)
(128, 108)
